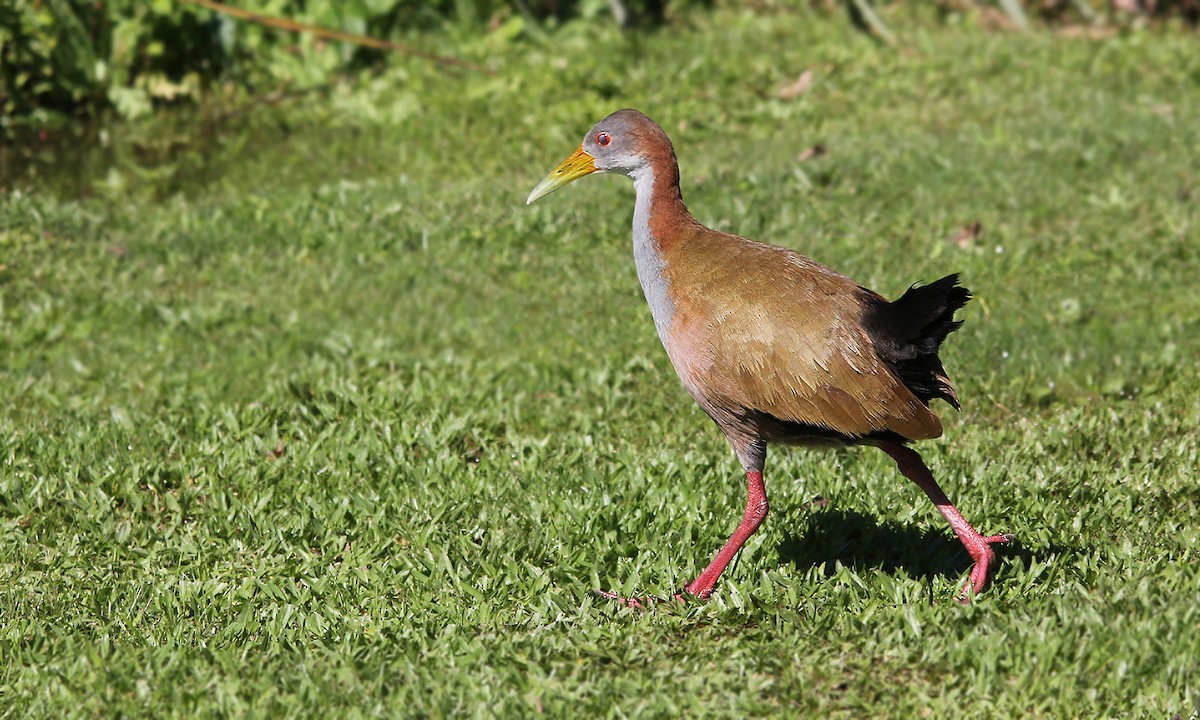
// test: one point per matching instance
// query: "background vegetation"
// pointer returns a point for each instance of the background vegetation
(307, 414)
(76, 56)
(83, 56)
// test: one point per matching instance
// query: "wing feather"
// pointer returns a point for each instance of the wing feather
(761, 329)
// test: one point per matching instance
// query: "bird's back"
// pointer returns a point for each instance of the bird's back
(773, 344)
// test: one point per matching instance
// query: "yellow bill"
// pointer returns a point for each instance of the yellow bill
(573, 168)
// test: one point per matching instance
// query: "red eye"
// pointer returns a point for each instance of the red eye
(602, 139)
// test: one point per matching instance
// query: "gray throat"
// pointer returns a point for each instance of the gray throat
(648, 256)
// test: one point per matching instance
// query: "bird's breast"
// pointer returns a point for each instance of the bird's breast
(683, 331)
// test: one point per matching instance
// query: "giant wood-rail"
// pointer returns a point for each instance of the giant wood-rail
(775, 347)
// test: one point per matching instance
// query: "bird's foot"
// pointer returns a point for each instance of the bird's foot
(985, 559)
(645, 603)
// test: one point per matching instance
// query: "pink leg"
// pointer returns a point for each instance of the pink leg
(914, 468)
(756, 510)
(702, 586)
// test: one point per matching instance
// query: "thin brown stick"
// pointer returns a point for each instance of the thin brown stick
(285, 24)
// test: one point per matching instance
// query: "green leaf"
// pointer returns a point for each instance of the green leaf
(130, 102)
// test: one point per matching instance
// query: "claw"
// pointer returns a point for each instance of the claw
(643, 603)
(984, 558)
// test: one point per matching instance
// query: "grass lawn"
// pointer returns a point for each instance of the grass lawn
(321, 419)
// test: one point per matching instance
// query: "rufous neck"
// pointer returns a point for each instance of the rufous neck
(660, 211)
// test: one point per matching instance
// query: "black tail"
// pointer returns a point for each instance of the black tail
(907, 334)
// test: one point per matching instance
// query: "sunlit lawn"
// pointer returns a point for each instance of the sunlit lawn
(323, 420)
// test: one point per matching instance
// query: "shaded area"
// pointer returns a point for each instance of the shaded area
(183, 151)
(862, 542)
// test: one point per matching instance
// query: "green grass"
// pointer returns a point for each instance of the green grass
(323, 420)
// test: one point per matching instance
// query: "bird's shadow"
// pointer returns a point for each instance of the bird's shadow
(860, 542)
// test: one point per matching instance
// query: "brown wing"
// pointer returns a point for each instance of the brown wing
(767, 330)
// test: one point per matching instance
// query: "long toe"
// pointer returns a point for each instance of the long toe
(643, 603)
(985, 562)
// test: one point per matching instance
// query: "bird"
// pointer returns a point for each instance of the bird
(775, 347)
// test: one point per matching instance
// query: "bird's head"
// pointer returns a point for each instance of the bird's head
(624, 142)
